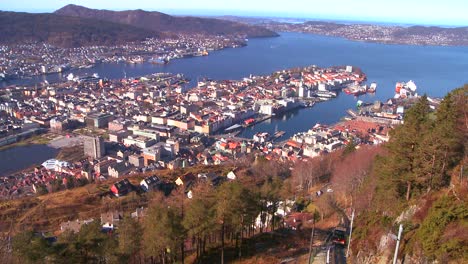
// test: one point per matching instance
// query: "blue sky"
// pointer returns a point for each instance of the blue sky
(428, 12)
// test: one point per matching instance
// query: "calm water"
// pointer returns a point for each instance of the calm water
(436, 70)
(18, 158)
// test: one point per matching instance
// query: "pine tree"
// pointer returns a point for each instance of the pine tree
(163, 231)
(199, 216)
(129, 238)
(30, 248)
(92, 243)
(397, 171)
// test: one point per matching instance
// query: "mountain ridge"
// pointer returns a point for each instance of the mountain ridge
(161, 22)
(65, 31)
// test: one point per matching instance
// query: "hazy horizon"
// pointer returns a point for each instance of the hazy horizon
(426, 14)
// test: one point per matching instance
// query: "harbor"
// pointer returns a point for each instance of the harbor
(301, 50)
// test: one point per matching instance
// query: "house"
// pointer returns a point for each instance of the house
(297, 219)
(121, 188)
(179, 181)
(74, 226)
(231, 175)
(139, 213)
(186, 179)
(119, 169)
(136, 160)
(149, 183)
(110, 220)
(215, 180)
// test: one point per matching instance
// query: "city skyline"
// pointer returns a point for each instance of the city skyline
(447, 13)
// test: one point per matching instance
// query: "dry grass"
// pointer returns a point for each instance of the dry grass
(46, 212)
(71, 154)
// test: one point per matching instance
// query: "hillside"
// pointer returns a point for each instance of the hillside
(64, 31)
(161, 22)
(417, 179)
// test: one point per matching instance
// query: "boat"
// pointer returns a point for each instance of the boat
(249, 122)
(88, 78)
(159, 60)
(70, 77)
(405, 90)
(326, 94)
(372, 88)
(278, 134)
(355, 89)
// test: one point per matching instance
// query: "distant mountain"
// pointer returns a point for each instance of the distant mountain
(414, 35)
(66, 31)
(161, 22)
(460, 32)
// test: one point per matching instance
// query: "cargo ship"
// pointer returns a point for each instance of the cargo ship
(356, 89)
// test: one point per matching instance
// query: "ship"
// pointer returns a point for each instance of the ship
(405, 90)
(71, 77)
(372, 88)
(88, 78)
(278, 134)
(355, 89)
(325, 94)
(159, 60)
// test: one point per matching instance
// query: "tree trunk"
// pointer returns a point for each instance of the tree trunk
(182, 250)
(222, 243)
(240, 246)
(198, 248)
(204, 245)
(273, 219)
(408, 190)
(237, 240)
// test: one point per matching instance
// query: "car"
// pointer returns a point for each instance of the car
(339, 236)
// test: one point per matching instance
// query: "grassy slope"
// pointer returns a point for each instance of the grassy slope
(46, 212)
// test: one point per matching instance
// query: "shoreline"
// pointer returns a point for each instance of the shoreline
(91, 66)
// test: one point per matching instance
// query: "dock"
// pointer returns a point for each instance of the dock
(258, 120)
(351, 113)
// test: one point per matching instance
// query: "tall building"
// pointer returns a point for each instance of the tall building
(94, 147)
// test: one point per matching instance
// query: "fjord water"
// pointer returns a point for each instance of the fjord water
(21, 157)
(436, 70)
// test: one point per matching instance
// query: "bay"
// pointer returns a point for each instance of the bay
(435, 69)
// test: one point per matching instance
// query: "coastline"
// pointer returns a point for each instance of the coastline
(41, 139)
(93, 65)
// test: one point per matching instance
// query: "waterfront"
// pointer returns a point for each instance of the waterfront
(436, 70)
(22, 157)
